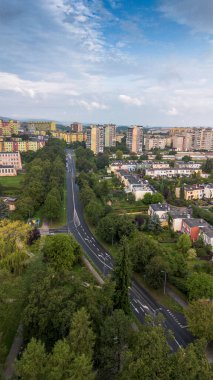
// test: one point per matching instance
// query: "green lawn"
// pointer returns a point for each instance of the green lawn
(12, 185)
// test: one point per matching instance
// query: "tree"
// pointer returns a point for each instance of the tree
(61, 251)
(24, 208)
(60, 361)
(125, 227)
(157, 198)
(107, 228)
(32, 364)
(155, 271)
(200, 285)
(52, 207)
(119, 154)
(184, 243)
(141, 249)
(94, 211)
(102, 160)
(147, 199)
(86, 195)
(148, 357)
(81, 336)
(81, 369)
(207, 166)
(191, 254)
(121, 275)
(199, 319)
(186, 159)
(191, 363)
(154, 224)
(114, 339)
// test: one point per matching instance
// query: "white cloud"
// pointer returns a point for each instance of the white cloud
(12, 82)
(131, 101)
(92, 105)
(197, 14)
(172, 112)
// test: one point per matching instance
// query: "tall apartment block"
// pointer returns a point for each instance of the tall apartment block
(134, 139)
(109, 135)
(192, 139)
(76, 127)
(7, 128)
(95, 138)
(101, 136)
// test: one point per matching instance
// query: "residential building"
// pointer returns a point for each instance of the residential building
(11, 159)
(109, 135)
(130, 166)
(192, 227)
(134, 139)
(158, 142)
(206, 234)
(161, 210)
(189, 165)
(22, 146)
(76, 127)
(198, 191)
(171, 172)
(7, 128)
(41, 126)
(160, 165)
(177, 215)
(132, 184)
(70, 137)
(7, 171)
(185, 139)
(95, 138)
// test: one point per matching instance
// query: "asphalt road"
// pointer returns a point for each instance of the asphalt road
(142, 303)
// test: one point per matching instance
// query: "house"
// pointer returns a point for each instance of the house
(161, 210)
(171, 172)
(192, 227)
(198, 191)
(207, 235)
(177, 217)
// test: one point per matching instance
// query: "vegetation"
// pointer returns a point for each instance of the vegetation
(199, 318)
(43, 183)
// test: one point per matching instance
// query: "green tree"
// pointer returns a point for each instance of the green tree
(119, 154)
(61, 251)
(148, 358)
(147, 199)
(154, 224)
(107, 228)
(94, 211)
(184, 243)
(102, 160)
(32, 364)
(141, 249)
(59, 362)
(155, 271)
(52, 208)
(200, 285)
(199, 319)
(115, 336)
(81, 336)
(81, 369)
(86, 195)
(157, 198)
(24, 208)
(191, 363)
(121, 275)
(186, 159)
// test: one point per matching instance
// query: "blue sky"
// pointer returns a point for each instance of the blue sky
(148, 62)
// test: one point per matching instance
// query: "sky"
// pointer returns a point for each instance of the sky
(147, 62)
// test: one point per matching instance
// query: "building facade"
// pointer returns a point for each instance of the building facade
(42, 125)
(95, 138)
(11, 159)
(134, 139)
(7, 171)
(109, 135)
(76, 127)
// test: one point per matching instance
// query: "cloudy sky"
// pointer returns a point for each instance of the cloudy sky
(124, 61)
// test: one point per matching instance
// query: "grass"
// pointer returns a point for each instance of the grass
(12, 185)
(158, 295)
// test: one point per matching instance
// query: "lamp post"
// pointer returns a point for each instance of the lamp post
(164, 287)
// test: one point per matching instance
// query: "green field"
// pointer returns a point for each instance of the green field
(12, 185)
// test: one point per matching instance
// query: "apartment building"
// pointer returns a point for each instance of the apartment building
(134, 139)
(76, 127)
(189, 165)
(7, 128)
(171, 172)
(7, 171)
(70, 137)
(11, 159)
(21, 146)
(187, 139)
(41, 126)
(198, 191)
(100, 136)
(109, 135)
(137, 187)
(159, 142)
(95, 138)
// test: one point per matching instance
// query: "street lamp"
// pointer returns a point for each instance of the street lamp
(164, 287)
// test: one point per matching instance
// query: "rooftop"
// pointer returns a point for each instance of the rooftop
(160, 206)
(195, 222)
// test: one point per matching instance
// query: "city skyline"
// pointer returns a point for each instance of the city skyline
(136, 62)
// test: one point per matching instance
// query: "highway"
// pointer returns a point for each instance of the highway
(142, 303)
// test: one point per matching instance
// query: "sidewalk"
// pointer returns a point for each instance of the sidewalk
(176, 298)
(14, 351)
(92, 270)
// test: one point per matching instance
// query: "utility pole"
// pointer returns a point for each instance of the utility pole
(164, 287)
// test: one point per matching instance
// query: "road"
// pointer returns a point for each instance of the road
(142, 303)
